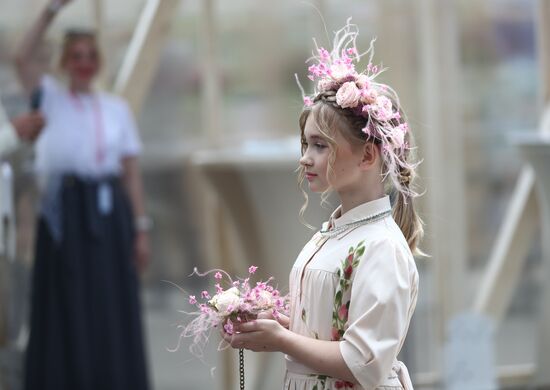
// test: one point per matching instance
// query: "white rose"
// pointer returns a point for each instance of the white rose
(340, 72)
(348, 95)
(363, 81)
(225, 300)
(265, 299)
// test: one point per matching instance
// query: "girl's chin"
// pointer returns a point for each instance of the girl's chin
(316, 188)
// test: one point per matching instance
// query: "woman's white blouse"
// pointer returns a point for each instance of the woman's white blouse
(86, 134)
(359, 288)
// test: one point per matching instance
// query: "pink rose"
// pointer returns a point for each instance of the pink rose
(326, 85)
(335, 336)
(383, 108)
(348, 271)
(398, 136)
(348, 95)
(368, 96)
(343, 312)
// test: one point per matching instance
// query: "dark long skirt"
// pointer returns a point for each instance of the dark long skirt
(86, 328)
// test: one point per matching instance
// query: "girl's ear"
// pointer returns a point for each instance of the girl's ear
(371, 152)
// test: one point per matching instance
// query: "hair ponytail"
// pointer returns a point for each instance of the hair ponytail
(405, 214)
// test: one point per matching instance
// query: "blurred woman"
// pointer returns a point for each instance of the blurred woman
(92, 229)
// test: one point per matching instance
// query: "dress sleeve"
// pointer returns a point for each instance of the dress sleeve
(131, 143)
(378, 312)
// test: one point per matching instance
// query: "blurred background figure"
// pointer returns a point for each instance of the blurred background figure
(85, 326)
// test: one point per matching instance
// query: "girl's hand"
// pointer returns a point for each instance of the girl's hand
(268, 315)
(261, 335)
(141, 251)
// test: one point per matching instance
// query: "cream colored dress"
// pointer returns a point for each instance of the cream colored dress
(358, 288)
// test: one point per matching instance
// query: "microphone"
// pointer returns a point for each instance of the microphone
(36, 99)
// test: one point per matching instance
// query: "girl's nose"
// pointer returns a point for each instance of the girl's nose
(306, 161)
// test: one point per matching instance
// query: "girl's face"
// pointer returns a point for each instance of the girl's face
(82, 62)
(341, 175)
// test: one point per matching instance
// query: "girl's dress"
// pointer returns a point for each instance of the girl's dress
(359, 288)
(85, 323)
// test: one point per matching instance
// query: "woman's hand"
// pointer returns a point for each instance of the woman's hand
(142, 251)
(261, 335)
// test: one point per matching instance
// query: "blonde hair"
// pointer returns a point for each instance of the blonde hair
(330, 117)
(75, 35)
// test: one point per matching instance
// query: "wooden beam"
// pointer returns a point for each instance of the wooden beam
(142, 58)
(441, 143)
(99, 27)
(211, 107)
(510, 251)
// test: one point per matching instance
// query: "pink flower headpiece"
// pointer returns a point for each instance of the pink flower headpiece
(378, 103)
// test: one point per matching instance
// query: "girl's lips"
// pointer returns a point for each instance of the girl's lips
(310, 176)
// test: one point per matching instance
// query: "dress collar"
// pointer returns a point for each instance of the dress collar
(362, 211)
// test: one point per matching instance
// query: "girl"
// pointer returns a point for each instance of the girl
(353, 288)
(92, 239)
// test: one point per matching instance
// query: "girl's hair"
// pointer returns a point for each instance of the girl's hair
(363, 110)
(74, 35)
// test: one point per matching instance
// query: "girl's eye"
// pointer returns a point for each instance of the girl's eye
(320, 146)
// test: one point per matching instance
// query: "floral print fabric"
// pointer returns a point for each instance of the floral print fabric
(358, 288)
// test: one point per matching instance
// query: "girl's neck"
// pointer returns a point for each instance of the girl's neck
(352, 199)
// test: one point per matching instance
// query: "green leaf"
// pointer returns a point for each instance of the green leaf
(338, 297)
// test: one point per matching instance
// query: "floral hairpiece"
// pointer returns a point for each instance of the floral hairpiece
(336, 71)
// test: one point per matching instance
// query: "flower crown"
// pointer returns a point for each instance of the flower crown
(335, 72)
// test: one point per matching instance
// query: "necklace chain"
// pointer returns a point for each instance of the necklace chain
(359, 222)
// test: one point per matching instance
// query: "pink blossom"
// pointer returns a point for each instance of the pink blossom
(192, 299)
(348, 95)
(219, 288)
(228, 327)
(324, 54)
(205, 294)
(218, 275)
(252, 269)
(307, 101)
(352, 51)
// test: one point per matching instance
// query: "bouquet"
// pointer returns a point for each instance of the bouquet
(233, 301)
